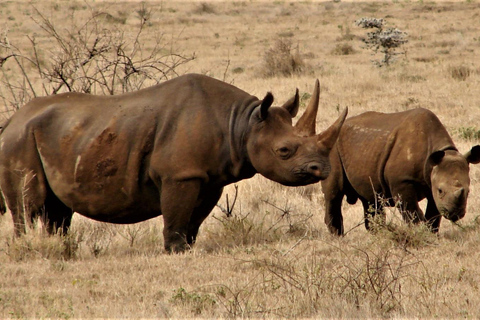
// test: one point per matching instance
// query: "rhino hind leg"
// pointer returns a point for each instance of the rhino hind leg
(3, 206)
(56, 216)
(24, 195)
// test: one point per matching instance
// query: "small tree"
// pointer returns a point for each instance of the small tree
(384, 40)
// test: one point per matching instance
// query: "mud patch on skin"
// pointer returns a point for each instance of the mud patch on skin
(107, 137)
(106, 168)
(66, 141)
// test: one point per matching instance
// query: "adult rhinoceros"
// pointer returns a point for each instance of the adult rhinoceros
(403, 157)
(165, 150)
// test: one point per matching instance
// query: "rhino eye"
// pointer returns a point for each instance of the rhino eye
(284, 152)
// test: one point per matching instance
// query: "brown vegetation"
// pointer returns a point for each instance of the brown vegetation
(274, 256)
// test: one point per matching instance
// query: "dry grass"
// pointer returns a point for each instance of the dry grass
(274, 257)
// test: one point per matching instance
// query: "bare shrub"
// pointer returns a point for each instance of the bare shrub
(426, 59)
(283, 60)
(362, 278)
(375, 276)
(404, 235)
(71, 243)
(388, 225)
(343, 49)
(99, 238)
(271, 224)
(131, 232)
(205, 7)
(91, 57)
(38, 245)
(241, 230)
(198, 303)
(460, 73)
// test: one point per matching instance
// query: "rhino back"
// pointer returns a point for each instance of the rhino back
(380, 150)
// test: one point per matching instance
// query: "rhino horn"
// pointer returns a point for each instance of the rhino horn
(328, 137)
(459, 193)
(306, 124)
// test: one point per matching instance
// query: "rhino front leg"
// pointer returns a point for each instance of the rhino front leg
(409, 207)
(433, 216)
(178, 200)
(333, 214)
(333, 188)
(201, 213)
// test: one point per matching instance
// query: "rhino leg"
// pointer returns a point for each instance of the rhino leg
(3, 206)
(56, 216)
(19, 225)
(201, 213)
(409, 207)
(333, 188)
(178, 200)
(24, 195)
(333, 214)
(433, 216)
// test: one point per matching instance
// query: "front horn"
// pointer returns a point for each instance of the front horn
(305, 126)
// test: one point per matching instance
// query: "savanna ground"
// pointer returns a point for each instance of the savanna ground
(273, 257)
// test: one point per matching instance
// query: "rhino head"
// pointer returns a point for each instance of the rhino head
(290, 155)
(450, 181)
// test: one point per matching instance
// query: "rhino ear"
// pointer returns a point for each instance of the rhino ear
(328, 137)
(305, 126)
(473, 156)
(436, 157)
(266, 103)
(293, 104)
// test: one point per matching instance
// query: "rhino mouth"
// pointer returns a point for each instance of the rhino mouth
(454, 215)
(305, 177)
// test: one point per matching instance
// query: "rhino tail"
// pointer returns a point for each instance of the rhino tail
(3, 124)
(3, 206)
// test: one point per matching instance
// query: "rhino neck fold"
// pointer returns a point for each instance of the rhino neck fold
(240, 115)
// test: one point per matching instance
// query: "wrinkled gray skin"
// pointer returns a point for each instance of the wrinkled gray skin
(165, 150)
(406, 156)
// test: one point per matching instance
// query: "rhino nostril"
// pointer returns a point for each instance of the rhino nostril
(314, 169)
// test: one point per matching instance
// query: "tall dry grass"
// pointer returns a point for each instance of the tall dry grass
(273, 257)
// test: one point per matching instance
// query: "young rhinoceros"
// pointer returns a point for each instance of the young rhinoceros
(165, 150)
(403, 157)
